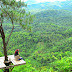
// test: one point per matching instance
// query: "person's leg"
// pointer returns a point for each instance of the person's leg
(20, 58)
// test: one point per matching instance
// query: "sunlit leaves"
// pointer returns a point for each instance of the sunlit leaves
(63, 65)
(13, 3)
(12, 10)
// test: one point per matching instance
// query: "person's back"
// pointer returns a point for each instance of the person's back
(16, 55)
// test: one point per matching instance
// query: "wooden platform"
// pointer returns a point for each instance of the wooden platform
(12, 59)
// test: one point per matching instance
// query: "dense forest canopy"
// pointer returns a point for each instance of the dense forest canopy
(48, 46)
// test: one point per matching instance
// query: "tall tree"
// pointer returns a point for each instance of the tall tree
(13, 11)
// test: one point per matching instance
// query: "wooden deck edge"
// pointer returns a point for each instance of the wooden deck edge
(10, 66)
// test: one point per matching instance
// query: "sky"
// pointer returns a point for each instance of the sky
(49, 0)
(22, 0)
(43, 0)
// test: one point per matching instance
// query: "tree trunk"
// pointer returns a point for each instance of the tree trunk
(5, 54)
(4, 48)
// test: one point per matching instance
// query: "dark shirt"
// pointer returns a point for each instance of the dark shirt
(16, 53)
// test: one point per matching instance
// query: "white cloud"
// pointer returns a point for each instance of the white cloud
(22, 0)
(48, 0)
(42, 0)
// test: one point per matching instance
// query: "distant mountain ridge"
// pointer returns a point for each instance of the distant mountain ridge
(58, 17)
(66, 5)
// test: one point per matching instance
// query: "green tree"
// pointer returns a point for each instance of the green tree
(12, 11)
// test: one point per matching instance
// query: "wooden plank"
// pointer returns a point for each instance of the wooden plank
(20, 62)
(10, 57)
(2, 65)
(16, 63)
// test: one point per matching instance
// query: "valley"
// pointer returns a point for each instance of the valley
(48, 47)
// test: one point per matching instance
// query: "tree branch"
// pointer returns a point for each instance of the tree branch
(7, 13)
(12, 27)
(1, 35)
(0, 29)
(10, 35)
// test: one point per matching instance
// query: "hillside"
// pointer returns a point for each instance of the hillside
(48, 47)
(51, 20)
(43, 50)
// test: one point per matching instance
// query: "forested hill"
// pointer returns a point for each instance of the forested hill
(57, 19)
(54, 16)
(48, 47)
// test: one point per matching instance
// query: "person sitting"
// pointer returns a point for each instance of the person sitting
(16, 55)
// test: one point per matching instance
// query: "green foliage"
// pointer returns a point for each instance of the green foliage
(57, 17)
(26, 68)
(1, 54)
(44, 51)
(48, 47)
(11, 11)
(63, 65)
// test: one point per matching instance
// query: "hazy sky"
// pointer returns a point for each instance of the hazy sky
(43, 0)
(22, 0)
(49, 0)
